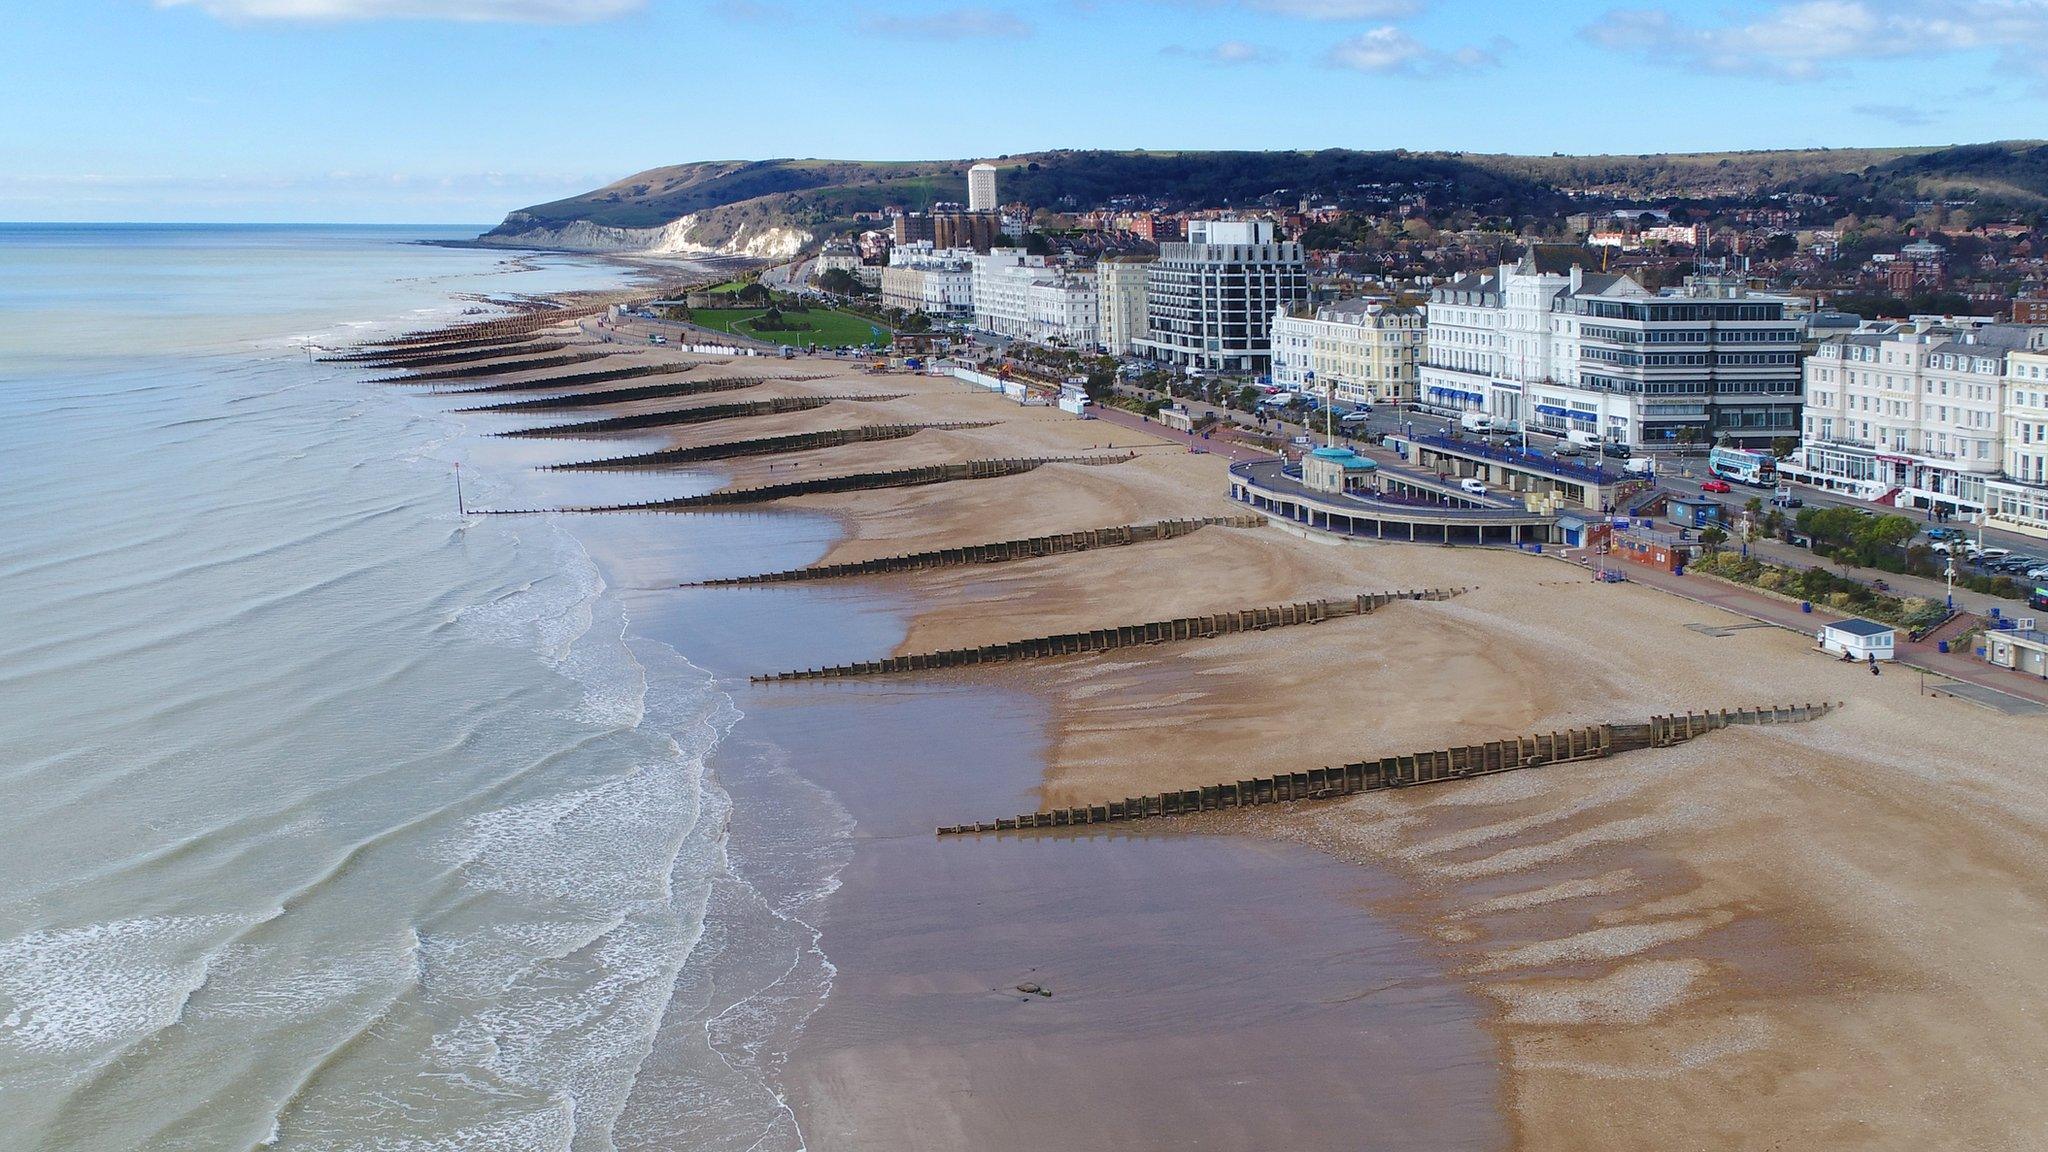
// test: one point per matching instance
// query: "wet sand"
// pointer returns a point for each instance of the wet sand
(1821, 936)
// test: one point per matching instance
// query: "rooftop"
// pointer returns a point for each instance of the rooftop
(1861, 627)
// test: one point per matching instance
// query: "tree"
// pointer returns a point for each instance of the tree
(753, 293)
(1784, 446)
(1712, 538)
(1687, 437)
(840, 282)
(917, 322)
(1101, 385)
(1247, 398)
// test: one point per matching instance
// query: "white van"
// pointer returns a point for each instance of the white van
(1476, 422)
(1641, 465)
(1472, 485)
(1583, 438)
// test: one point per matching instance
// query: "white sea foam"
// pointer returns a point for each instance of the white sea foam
(78, 989)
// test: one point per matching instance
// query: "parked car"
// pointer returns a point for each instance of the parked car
(1355, 418)
(1715, 486)
(1567, 448)
(1987, 555)
(1617, 451)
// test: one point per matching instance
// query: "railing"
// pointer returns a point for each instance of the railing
(1552, 464)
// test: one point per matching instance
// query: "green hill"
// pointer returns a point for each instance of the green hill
(772, 207)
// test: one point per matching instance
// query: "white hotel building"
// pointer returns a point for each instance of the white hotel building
(1546, 344)
(2019, 499)
(1017, 294)
(919, 278)
(1917, 415)
(1362, 351)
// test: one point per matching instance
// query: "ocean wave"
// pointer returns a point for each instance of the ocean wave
(93, 987)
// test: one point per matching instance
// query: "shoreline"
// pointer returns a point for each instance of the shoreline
(1580, 903)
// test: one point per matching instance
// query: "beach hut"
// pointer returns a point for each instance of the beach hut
(1858, 639)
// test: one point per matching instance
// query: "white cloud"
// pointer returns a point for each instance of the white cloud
(1337, 9)
(1390, 51)
(1230, 52)
(1808, 39)
(471, 11)
(952, 24)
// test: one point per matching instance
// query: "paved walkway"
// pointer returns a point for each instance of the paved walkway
(2011, 691)
(1229, 450)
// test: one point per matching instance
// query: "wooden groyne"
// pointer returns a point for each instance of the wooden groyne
(465, 356)
(702, 414)
(547, 315)
(1595, 742)
(606, 397)
(373, 352)
(998, 552)
(499, 368)
(1126, 636)
(853, 482)
(762, 446)
(571, 380)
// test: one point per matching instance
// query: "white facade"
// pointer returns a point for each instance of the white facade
(922, 279)
(1911, 415)
(1557, 348)
(1017, 294)
(835, 256)
(1120, 287)
(2018, 501)
(1361, 351)
(981, 188)
(1211, 301)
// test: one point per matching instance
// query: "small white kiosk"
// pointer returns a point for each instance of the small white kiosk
(1860, 640)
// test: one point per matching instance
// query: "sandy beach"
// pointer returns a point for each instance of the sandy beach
(1815, 936)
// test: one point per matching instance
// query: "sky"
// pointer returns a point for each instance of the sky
(458, 111)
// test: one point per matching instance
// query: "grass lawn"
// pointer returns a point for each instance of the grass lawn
(828, 327)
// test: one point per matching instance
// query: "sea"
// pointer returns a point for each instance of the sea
(335, 818)
(339, 816)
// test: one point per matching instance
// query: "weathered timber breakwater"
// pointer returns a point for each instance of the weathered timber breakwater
(702, 414)
(496, 368)
(997, 552)
(437, 359)
(1126, 636)
(763, 446)
(855, 482)
(371, 353)
(607, 397)
(1595, 742)
(571, 380)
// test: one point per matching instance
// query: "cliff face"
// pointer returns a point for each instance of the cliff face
(690, 235)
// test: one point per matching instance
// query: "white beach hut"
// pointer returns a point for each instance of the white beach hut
(1859, 639)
